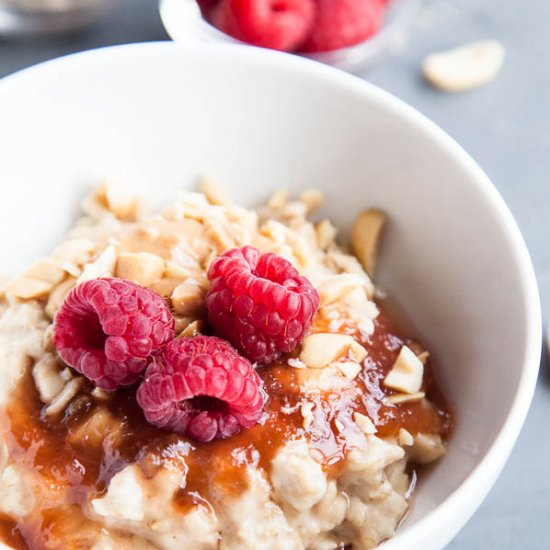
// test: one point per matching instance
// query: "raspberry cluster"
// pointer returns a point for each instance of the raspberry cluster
(296, 25)
(112, 330)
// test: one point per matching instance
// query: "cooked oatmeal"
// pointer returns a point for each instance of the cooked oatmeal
(350, 413)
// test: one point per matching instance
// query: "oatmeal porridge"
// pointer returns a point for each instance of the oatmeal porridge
(139, 438)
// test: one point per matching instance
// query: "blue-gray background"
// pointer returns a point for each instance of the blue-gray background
(505, 127)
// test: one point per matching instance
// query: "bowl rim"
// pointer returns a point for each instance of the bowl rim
(457, 508)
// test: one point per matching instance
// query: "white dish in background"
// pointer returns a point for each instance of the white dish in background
(183, 22)
(157, 115)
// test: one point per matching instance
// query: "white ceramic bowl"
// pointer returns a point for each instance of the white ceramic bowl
(157, 115)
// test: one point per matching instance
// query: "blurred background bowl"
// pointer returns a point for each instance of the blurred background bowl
(27, 18)
(184, 22)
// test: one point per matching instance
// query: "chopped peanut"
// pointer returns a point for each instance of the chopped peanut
(399, 398)
(306, 411)
(213, 192)
(57, 295)
(348, 368)
(26, 288)
(323, 348)
(365, 237)
(188, 298)
(364, 423)
(141, 267)
(404, 438)
(407, 372)
(102, 266)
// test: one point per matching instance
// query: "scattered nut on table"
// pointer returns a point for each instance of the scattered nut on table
(465, 67)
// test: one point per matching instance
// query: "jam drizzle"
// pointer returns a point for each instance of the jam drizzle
(77, 455)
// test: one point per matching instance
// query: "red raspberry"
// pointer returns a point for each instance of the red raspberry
(342, 23)
(259, 302)
(277, 24)
(201, 387)
(107, 328)
(206, 6)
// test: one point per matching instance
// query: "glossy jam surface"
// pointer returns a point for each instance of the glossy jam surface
(78, 454)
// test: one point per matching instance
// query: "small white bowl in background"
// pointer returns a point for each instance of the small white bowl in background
(183, 22)
(158, 115)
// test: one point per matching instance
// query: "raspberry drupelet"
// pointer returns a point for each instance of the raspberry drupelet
(259, 303)
(107, 329)
(201, 387)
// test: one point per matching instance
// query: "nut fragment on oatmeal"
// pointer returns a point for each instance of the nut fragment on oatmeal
(214, 193)
(37, 281)
(326, 233)
(427, 448)
(47, 377)
(405, 438)
(75, 251)
(295, 363)
(365, 424)
(119, 200)
(306, 411)
(312, 198)
(102, 266)
(357, 352)
(142, 268)
(349, 369)
(26, 288)
(193, 328)
(322, 348)
(57, 295)
(407, 372)
(47, 270)
(278, 199)
(365, 237)
(466, 67)
(63, 398)
(399, 398)
(335, 287)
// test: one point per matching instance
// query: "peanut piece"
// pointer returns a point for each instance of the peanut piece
(188, 298)
(348, 368)
(335, 287)
(326, 233)
(140, 267)
(63, 398)
(323, 348)
(404, 438)
(312, 198)
(102, 266)
(121, 202)
(399, 398)
(26, 288)
(47, 378)
(213, 192)
(75, 251)
(57, 295)
(306, 411)
(47, 270)
(464, 68)
(407, 372)
(364, 423)
(365, 237)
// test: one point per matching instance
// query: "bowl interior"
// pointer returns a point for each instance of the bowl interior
(156, 116)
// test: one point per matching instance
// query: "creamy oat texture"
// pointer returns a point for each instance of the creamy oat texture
(297, 503)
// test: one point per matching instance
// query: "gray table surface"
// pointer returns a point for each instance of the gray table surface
(504, 126)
